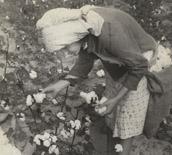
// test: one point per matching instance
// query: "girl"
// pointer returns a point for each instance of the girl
(115, 38)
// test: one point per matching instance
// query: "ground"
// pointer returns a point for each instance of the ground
(19, 37)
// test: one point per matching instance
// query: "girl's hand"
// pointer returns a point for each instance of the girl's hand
(109, 104)
(53, 89)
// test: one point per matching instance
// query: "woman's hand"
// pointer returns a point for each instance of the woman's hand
(109, 104)
(52, 90)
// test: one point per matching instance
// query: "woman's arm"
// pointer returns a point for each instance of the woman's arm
(80, 70)
(114, 101)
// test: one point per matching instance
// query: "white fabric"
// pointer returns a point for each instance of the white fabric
(57, 16)
(5, 147)
(61, 26)
(58, 36)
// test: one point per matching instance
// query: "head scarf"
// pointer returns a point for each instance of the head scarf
(61, 26)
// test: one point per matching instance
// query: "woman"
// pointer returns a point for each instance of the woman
(115, 38)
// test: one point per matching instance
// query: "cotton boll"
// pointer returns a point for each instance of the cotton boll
(72, 123)
(33, 74)
(56, 151)
(22, 117)
(43, 153)
(54, 139)
(29, 100)
(100, 73)
(6, 107)
(54, 101)
(118, 148)
(37, 139)
(89, 97)
(103, 109)
(164, 60)
(39, 97)
(46, 135)
(77, 124)
(46, 143)
(61, 116)
(51, 149)
(63, 133)
(3, 103)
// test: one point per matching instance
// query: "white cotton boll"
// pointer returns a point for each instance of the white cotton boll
(33, 74)
(22, 118)
(118, 148)
(54, 101)
(87, 118)
(37, 139)
(64, 133)
(29, 100)
(51, 149)
(6, 107)
(56, 151)
(3, 103)
(54, 139)
(77, 124)
(46, 143)
(91, 96)
(72, 123)
(46, 135)
(104, 84)
(100, 73)
(61, 116)
(101, 110)
(39, 97)
(43, 153)
(164, 60)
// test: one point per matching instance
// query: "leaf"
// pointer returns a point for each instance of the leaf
(29, 149)
(89, 148)
(3, 117)
(9, 132)
(23, 74)
(68, 108)
(99, 89)
(13, 122)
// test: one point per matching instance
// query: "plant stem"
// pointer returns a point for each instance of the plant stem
(6, 63)
(66, 95)
(34, 118)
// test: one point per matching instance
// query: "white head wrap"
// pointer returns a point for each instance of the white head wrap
(61, 26)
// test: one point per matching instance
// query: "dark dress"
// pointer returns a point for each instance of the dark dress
(120, 45)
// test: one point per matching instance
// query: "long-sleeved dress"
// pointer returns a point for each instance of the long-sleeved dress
(120, 47)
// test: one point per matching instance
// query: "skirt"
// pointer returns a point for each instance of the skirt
(128, 119)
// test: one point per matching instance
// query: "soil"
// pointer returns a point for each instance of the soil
(19, 37)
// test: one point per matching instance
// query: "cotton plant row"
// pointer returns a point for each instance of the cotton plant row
(66, 130)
